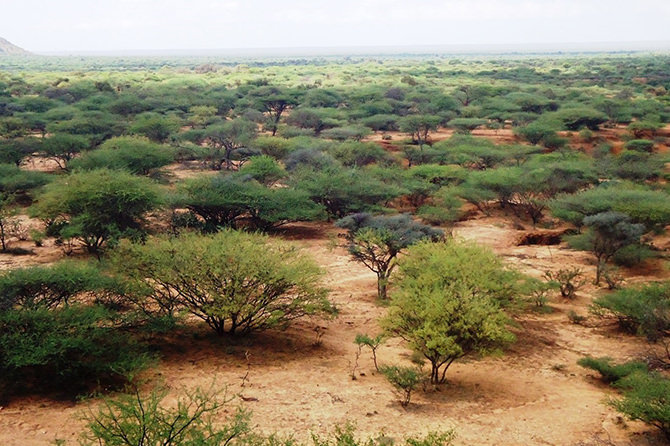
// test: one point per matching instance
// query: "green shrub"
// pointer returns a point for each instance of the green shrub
(275, 147)
(535, 132)
(372, 343)
(404, 379)
(50, 286)
(376, 241)
(225, 201)
(131, 420)
(97, 207)
(645, 398)
(235, 282)
(345, 191)
(466, 125)
(71, 349)
(450, 303)
(264, 169)
(610, 372)
(359, 154)
(134, 154)
(640, 145)
(642, 205)
(644, 310)
(17, 181)
(632, 255)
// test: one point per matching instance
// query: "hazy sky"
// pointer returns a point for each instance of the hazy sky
(71, 25)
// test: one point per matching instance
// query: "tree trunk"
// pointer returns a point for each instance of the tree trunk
(599, 272)
(382, 284)
(3, 242)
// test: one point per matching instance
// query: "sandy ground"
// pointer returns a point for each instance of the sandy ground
(534, 394)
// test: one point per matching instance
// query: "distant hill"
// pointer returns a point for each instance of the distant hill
(7, 48)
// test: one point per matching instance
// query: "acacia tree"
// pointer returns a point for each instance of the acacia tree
(235, 282)
(376, 241)
(97, 207)
(222, 201)
(609, 233)
(344, 191)
(419, 127)
(275, 102)
(6, 214)
(450, 303)
(62, 148)
(227, 142)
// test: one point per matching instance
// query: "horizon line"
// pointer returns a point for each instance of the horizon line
(361, 50)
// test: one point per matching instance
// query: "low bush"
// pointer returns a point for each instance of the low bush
(50, 286)
(645, 398)
(644, 310)
(404, 379)
(71, 349)
(611, 373)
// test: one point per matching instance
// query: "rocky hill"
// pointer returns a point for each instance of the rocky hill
(7, 48)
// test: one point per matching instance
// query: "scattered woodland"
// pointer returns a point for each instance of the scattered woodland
(335, 251)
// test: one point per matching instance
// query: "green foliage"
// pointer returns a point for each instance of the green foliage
(404, 379)
(62, 148)
(640, 145)
(445, 207)
(419, 127)
(376, 241)
(535, 132)
(539, 291)
(344, 191)
(449, 303)
(235, 282)
(95, 125)
(609, 232)
(611, 373)
(264, 169)
(222, 201)
(381, 122)
(474, 156)
(527, 189)
(645, 206)
(134, 154)
(133, 419)
(569, 281)
(14, 181)
(353, 132)
(73, 348)
(277, 148)
(14, 151)
(97, 207)
(228, 141)
(644, 310)
(372, 343)
(634, 166)
(645, 398)
(50, 286)
(346, 436)
(466, 125)
(576, 118)
(359, 154)
(155, 127)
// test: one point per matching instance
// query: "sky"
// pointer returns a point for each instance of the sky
(107, 25)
